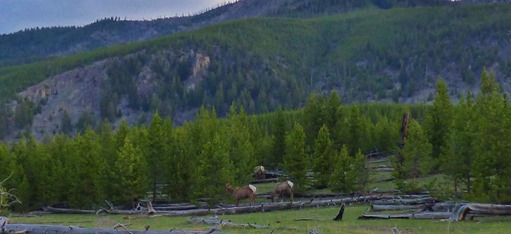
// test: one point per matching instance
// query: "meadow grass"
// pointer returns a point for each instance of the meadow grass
(319, 219)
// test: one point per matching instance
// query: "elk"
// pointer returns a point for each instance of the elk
(283, 188)
(259, 172)
(244, 192)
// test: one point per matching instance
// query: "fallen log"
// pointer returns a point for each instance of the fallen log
(422, 215)
(396, 207)
(385, 216)
(60, 229)
(67, 211)
(261, 207)
(432, 215)
(463, 210)
(260, 181)
(416, 201)
(225, 223)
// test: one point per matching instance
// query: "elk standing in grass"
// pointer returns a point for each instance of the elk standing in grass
(245, 192)
(283, 188)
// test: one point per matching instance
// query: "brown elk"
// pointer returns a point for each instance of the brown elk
(244, 192)
(283, 188)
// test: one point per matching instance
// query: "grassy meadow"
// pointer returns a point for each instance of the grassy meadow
(319, 219)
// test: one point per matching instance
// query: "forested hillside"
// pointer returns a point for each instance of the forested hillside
(261, 64)
(34, 44)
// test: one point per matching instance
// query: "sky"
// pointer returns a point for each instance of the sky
(17, 15)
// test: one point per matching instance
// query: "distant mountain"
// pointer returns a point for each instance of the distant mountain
(35, 44)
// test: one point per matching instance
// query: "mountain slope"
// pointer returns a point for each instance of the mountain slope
(263, 63)
(35, 44)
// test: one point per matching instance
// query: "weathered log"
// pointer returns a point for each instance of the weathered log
(385, 216)
(415, 201)
(432, 215)
(395, 207)
(260, 181)
(421, 215)
(478, 208)
(60, 229)
(225, 223)
(244, 208)
(67, 211)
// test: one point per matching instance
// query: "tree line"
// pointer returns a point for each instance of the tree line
(319, 146)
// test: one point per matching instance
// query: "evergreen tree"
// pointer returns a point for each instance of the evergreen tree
(492, 168)
(314, 115)
(344, 176)
(109, 152)
(385, 135)
(279, 138)
(460, 156)
(333, 107)
(416, 152)
(438, 124)
(357, 130)
(120, 136)
(182, 166)
(156, 152)
(296, 161)
(215, 170)
(241, 150)
(323, 158)
(132, 173)
(361, 171)
(88, 171)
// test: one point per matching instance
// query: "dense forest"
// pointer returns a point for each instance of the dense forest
(468, 142)
(264, 63)
(33, 44)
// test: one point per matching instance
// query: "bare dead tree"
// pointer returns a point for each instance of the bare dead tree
(7, 198)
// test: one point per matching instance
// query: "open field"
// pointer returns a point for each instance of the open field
(319, 219)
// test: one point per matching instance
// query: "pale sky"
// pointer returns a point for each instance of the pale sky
(17, 15)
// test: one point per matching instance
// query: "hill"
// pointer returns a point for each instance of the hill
(34, 44)
(263, 63)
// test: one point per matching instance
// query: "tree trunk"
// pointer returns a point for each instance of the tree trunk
(341, 212)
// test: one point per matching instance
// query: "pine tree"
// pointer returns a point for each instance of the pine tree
(492, 169)
(323, 158)
(361, 171)
(109, 151)
(122, 132)
(296, 161)
(314, 115)
(155, 152)
(88, 171)
(416, 152)
(357, 130)
(132, 173)
(241, 150)
(215, 170)
(279, 138)
(460, 156)
(344, 176)
(182, 166)
(438, 124)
